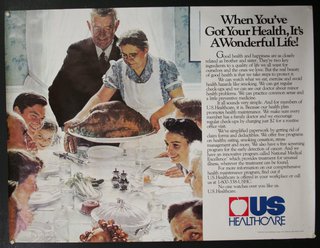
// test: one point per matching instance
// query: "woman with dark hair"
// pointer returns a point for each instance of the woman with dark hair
(179, 135)
(22, 171)
(147, 84)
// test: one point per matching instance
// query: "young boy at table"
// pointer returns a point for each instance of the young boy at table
(45, 136)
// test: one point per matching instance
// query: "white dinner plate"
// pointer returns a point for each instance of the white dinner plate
(36, 232)
(109, 140)
(104, 152)
(43, 198)
(174, 197)
(49, 171)
(164, 181)
(160, 165)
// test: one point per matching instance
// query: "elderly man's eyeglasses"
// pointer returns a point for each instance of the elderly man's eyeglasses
(129, 56)
(99, 30)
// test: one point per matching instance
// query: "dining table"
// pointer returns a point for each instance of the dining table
(57, 207)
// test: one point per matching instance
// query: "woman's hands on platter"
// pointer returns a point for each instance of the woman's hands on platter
(70, 142)
(154, 121)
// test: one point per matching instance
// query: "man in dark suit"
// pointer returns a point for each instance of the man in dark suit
(80, 76)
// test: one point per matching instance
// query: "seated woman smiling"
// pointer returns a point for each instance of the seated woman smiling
(179, 135)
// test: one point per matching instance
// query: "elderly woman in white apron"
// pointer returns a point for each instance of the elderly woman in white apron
(147, 83)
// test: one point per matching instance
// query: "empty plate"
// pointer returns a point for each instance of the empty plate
(104, 152)
(36, 232)
(49, 171)
(160, 165)
(109, 140)
(163, 181)
(43, 198)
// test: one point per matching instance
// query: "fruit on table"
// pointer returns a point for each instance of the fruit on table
(105, 231)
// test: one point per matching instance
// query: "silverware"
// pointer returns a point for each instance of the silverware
(67, 156)
(42, 209)
(147, 168)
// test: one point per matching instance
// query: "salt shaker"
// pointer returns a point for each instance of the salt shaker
(115, 179)
(123, 181)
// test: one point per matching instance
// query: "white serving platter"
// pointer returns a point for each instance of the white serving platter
(109, 140)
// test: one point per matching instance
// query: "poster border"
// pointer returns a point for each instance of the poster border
(61, 4)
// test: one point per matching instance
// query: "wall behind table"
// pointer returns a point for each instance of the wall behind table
(16, 66)
(190, 70)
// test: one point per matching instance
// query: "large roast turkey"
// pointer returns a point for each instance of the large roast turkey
(113, 120)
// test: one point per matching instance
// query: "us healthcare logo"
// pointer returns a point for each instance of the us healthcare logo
(256, 211)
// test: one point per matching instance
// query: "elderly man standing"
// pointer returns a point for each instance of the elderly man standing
(80, 76)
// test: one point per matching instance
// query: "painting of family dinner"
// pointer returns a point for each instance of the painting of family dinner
(156, 124)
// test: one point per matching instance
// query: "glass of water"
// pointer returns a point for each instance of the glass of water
(61, 224)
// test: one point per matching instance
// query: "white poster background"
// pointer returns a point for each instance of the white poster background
(298, 194)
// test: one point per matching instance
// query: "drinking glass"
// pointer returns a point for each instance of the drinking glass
(61, 224)
(64, 170)
(82, 152)
(67, 196)
(136, 181)
(155, 208)
(141, 156)
(137, 196)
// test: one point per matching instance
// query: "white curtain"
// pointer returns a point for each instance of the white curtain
(48, 35)
(50, 32)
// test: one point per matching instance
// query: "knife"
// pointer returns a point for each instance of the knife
(67, 156)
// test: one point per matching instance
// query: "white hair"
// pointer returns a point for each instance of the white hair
(195, 155)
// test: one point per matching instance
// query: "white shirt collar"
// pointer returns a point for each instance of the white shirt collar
(106, 51)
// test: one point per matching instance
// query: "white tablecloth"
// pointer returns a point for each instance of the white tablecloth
(163, 189)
